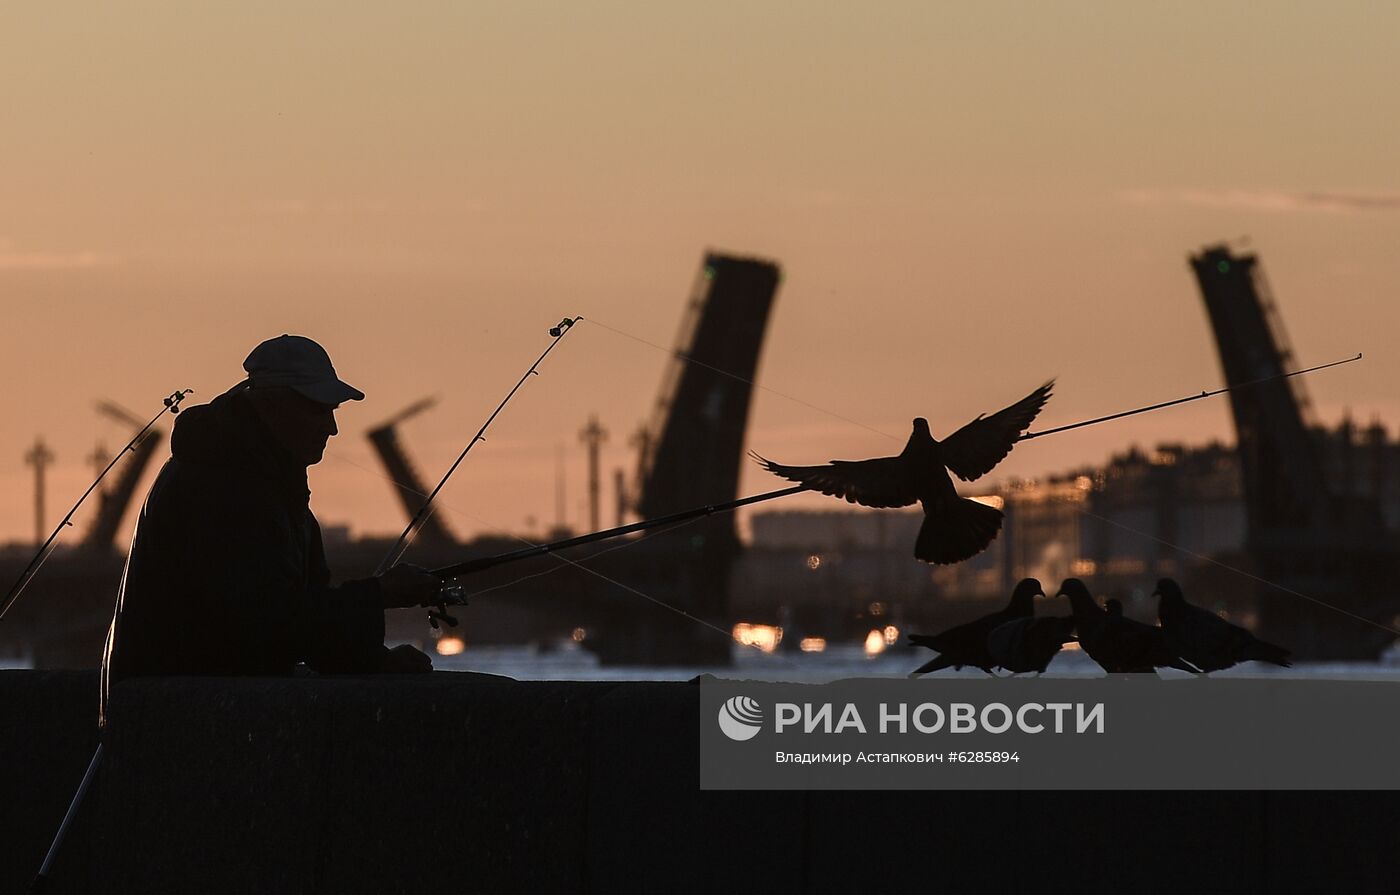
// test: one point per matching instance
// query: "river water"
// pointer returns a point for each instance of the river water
(572, 663)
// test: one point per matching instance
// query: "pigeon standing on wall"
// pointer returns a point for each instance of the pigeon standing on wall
(1119, 645)
(1205, 639)
(1028, 644)
(1090, 621)
(966, 644)
(954, 527)
(1135, 647)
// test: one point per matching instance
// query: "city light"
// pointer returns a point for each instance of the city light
(813, 645)
(450, 646)
(578, 635)
(814, 561)
(765, 637)
(891, 635)
(875, 642)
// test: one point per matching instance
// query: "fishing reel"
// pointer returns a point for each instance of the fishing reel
(173, 402)
(557, 331)
(451, 595)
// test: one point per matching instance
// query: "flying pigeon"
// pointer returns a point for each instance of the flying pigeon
(954, 527)
(966, 644)
(1206, 640)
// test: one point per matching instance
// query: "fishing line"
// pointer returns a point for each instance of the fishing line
(565, 560)
(589, 558)
(736, 376)
(420, 517)
(728, 635)
(1228, 567)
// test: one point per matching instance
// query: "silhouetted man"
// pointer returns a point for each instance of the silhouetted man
(226, 574)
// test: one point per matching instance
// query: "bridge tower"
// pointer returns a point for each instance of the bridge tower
(113, 501)
(691, 452)
(1304, 535)
(433, 534)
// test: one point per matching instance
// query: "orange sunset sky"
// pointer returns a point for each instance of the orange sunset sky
(965, 198)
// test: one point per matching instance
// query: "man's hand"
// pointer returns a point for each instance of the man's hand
(405, 659)
(405, 586)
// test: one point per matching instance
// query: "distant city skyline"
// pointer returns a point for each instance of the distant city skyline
(974, 199)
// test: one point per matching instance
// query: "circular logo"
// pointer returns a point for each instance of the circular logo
(740, 718)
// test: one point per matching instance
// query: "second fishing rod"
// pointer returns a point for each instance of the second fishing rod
(450, 595)
(481, 564)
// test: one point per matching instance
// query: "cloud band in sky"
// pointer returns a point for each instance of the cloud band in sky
(1266, 200)
(10, 259)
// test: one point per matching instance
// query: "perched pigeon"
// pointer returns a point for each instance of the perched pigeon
(954, 528)
(1134, 647)
(1028, 644)
(1206, 640)
(1090, 621)
(1119, 645)
(966, 644)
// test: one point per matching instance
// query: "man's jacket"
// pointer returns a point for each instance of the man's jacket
(226, 574)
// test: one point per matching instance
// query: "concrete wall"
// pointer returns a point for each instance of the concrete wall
(48, 730)
(473, 783)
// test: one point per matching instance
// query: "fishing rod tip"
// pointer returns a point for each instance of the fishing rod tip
(173, 402)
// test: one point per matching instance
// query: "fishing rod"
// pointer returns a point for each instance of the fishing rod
(486, 562)
(450, 595)
(1220, 391)
(172, 404)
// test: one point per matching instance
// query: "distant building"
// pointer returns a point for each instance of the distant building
(835, 529)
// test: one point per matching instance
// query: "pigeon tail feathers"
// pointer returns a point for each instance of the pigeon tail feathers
(957, 531)
(1263, 651)
(937, 663)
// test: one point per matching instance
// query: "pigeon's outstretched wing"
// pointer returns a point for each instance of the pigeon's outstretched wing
(879, 484)
(973, 450)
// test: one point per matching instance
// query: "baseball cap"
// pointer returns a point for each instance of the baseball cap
(300, 364)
